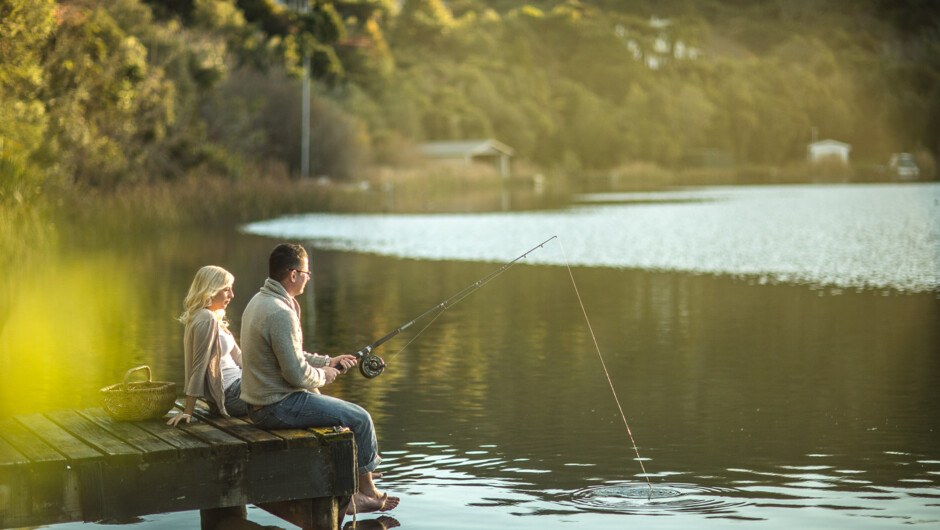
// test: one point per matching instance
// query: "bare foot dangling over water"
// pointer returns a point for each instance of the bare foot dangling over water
(362, 503)
(369, 498)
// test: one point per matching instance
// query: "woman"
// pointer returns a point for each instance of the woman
(213, 358)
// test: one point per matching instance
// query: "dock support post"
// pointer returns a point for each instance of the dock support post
(322, 513)
(222, 518)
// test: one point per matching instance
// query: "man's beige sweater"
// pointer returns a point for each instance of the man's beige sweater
(274, 363)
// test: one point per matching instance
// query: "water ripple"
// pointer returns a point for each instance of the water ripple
(664, 498)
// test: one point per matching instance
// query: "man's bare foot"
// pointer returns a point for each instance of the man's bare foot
(384, 522)
(361, 503)
(390, 503)
(388, 522)
(364, 504)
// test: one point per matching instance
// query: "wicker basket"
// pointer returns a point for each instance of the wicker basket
(140, 400)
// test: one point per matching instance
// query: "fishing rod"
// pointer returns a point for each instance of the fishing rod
(371, 365)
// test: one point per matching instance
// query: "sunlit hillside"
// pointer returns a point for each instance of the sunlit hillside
(102, 93)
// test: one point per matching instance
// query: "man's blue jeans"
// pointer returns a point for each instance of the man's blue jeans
(305, 409)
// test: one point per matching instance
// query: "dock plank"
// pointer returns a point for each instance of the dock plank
(219, 440)
(152, 446)
(38, 485)
(13, 482)
(62, 440)
(9, 456)
(298, 437)
(184, 442)
(242, 430)
(28, 443)
(92, 434)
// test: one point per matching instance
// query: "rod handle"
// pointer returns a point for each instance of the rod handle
(358, 355)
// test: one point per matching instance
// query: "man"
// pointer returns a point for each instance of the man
(280, 381)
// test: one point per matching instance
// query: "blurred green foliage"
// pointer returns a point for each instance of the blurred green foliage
(115, 92)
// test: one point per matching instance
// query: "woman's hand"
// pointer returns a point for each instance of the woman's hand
(178, 418)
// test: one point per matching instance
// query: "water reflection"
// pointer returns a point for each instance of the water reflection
(383, 522)
(749, 397)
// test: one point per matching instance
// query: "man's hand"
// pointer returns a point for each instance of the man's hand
(343, 362)
(329, 374)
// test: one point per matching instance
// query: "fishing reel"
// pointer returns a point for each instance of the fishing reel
(369, 365)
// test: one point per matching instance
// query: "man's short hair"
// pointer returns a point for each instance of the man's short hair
(283, 258)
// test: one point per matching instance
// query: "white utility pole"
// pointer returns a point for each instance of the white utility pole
(303, 6)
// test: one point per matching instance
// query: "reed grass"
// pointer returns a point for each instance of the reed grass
(208, 200)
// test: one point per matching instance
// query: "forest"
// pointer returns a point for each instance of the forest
(100, 94)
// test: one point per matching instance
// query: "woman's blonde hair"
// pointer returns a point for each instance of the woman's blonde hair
(208, 282)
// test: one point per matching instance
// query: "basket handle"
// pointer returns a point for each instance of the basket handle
(132, 370)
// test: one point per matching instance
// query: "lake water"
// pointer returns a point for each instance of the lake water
(775, 351)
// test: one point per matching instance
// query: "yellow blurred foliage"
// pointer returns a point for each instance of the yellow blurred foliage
(69, 323)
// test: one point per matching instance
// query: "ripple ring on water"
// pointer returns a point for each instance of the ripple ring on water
(636, 498)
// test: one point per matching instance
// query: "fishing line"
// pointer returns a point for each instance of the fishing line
(372, 365)
(477, 285)
(606, 372)
(426, 326)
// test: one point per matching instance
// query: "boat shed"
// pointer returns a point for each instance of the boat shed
(828, 149)
(468, 151)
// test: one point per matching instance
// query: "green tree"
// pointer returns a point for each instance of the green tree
(422, 22)
(24, 27)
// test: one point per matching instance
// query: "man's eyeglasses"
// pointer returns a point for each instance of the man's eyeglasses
(303, 272)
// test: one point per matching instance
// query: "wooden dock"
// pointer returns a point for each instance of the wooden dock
(82, 465)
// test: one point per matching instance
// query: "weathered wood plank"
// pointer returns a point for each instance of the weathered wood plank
(298, 437)
(9, 456)
(284, 464)
(151, 446)
(93, 435)
(126, 477)
(33, 447)
(62, 440)
(14, 484)
(39, 486)
(85, 459)
(290, 474)
(39, 493)
(203, 474)
(220, 441)
(258, 438)
(344, 472)
(222, 478)
(185, 443)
